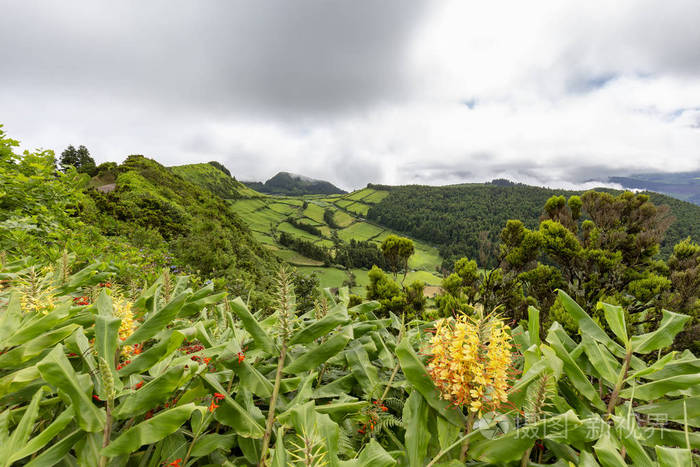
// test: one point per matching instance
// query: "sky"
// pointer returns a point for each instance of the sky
(556, 93)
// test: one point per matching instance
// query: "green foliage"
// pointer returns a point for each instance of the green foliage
(192, 378)
(464, 219)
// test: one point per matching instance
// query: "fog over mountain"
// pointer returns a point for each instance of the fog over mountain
(549, 93)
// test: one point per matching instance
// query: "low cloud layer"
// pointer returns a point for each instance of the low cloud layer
(553, 93)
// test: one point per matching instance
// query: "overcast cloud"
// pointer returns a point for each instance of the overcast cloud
(550, 93)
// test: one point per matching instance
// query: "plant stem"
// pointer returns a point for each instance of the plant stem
(465, 444)
(396, 367)
(620, 381)
(195, 437)
(273, 402)
(526, 457)
(107, 431)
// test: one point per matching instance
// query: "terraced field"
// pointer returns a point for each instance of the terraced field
(269, 216)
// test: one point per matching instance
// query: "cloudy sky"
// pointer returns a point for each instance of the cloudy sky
(549, 92)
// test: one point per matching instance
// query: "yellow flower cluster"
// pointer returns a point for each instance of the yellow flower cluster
(122, 309)
(470, 360)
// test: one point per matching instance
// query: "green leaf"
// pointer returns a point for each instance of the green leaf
(588, 327)
(320, 328)
(157, 321)
(415, 416)
(35, 347)
(656, 389)
(57, 370)
(151, 394)
(251, 379)
(615, 316)
(38, 326)
(11, 318)
(673, 457)
(342, 407)
(607, 452)
(512, 445)
(673, 410)
(57, 451)
(252, 326)
(362, 369)
(671, 324)
(211, 442)
(574, 372)
(336, 388)
(158, 352)
(106, 337)
(603, 362)
(373, 455)
(149, 431)
(418, 376)
(317, 355)
(230, 413)
(46, 435)
(21, 433)
(533, 326)
(19, 379)
(629, 434)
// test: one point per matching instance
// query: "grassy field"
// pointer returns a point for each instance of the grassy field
(269, 214)
(360, 231)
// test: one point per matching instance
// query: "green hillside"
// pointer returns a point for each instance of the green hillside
(153, 204)
(460, 218)
(213, 178)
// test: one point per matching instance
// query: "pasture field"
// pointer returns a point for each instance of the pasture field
(328, 277)
(267, 217)
(289, 228)
(361, 231)
(343, 219)
(375, 197)
(315, 212)
(358, 208)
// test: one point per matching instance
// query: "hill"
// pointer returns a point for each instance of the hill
(215, 178)
(152, 205)
(286, 183)
(682, 185)
(465, 220)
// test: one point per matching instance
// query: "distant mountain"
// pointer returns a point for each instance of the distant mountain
(216, 178)
(290, 184)
(681, 185)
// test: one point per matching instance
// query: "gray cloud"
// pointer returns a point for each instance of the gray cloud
(233, 56)
(391, 91)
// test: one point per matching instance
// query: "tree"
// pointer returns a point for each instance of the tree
(86, 164)
(69, 157)
(397, 250)
(78, 158)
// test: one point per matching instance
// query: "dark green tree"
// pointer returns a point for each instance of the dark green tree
(69, 157)
(86, 164)
(397, 250)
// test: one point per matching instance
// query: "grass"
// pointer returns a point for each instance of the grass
(282, 208)
(328, 277)
(359, 231)
(358, 208)
(344, 203)
(425, 257)
(289, 228)
(375, 197)
(315, 212)
(361, 194)
(343, 219)
(292, 257)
